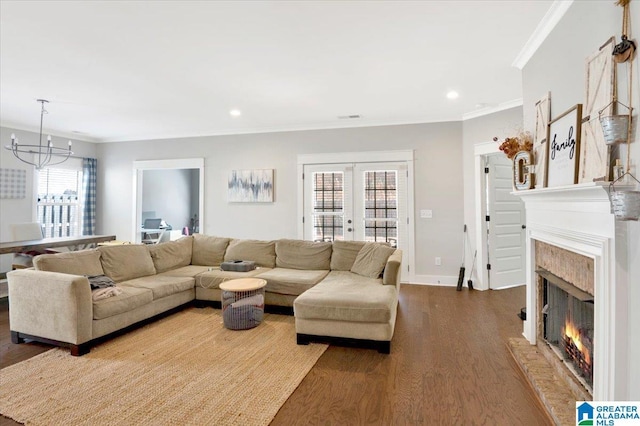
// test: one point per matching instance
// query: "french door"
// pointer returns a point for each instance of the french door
(356, 201)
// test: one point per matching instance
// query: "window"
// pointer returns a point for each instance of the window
(328, 202)
(59, 209)
(381, 206)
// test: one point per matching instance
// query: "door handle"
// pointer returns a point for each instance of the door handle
(524, 226)
(349, 229)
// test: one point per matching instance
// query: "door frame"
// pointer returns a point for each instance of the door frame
(366, 157)
(169, 164)
(480, 151)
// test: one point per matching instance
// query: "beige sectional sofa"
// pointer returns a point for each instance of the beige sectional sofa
(347, 291)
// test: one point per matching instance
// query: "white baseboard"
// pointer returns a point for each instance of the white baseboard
(439, 280)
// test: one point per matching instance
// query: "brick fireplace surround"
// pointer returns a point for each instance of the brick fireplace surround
(577, 218)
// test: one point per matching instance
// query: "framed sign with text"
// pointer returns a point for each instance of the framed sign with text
(563, 148)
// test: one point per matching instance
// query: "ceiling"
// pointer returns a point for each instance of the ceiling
(131, 70)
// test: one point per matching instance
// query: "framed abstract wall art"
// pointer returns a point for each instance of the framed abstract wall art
(250, 186)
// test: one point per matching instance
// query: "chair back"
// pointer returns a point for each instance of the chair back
(152, 223)
(26, 231)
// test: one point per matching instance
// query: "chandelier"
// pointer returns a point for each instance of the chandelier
(42, 154)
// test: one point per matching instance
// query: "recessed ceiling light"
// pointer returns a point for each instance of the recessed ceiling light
(235, 113)
(452, 94)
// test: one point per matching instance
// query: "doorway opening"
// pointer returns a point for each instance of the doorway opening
(171, 190)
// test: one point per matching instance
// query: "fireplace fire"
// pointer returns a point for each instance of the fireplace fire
(576, 351)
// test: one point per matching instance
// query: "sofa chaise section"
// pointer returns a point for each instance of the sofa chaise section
(353, 307)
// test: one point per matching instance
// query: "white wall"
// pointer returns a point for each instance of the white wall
(438, 184)
(559, 66)
(23, 209)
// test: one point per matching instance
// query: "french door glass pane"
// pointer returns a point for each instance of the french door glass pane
(328, 206)
(381, 206)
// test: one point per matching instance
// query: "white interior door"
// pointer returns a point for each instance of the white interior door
(506, 214)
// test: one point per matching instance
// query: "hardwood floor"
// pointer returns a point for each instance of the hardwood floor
(449, 365)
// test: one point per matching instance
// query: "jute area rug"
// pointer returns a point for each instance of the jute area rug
(185, 369)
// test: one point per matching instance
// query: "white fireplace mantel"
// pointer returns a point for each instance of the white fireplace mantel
(578, 218)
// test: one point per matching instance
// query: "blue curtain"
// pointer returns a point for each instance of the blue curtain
(89, 173)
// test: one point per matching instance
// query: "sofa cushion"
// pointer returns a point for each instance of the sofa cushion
(208, 250)
(344, 253)
(371, 260)
(83, 262)
(291, 281)
(345, 296)
(172, 254)
(213, 279)
(186, 271)
(299, 254)
(161, 285)
(130, 299)
(261, 252)
(126, 262)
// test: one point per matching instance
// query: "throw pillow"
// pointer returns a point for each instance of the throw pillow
(172, 254)
(126, 262)
(344, 254)
(261, 252)
(371, 260)
(208, 250)
(83, 262)
(298, 254)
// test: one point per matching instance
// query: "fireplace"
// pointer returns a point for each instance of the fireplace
(568, 325)
(577, 260)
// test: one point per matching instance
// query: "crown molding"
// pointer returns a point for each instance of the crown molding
(54, 133)
(542, 31)
(490, 110)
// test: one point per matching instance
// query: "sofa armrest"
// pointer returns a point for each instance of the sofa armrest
(391, 275)
(50, 305)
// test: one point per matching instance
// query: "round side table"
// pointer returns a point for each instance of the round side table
(242, 303)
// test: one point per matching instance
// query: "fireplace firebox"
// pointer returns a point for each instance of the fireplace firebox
(568, 325)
